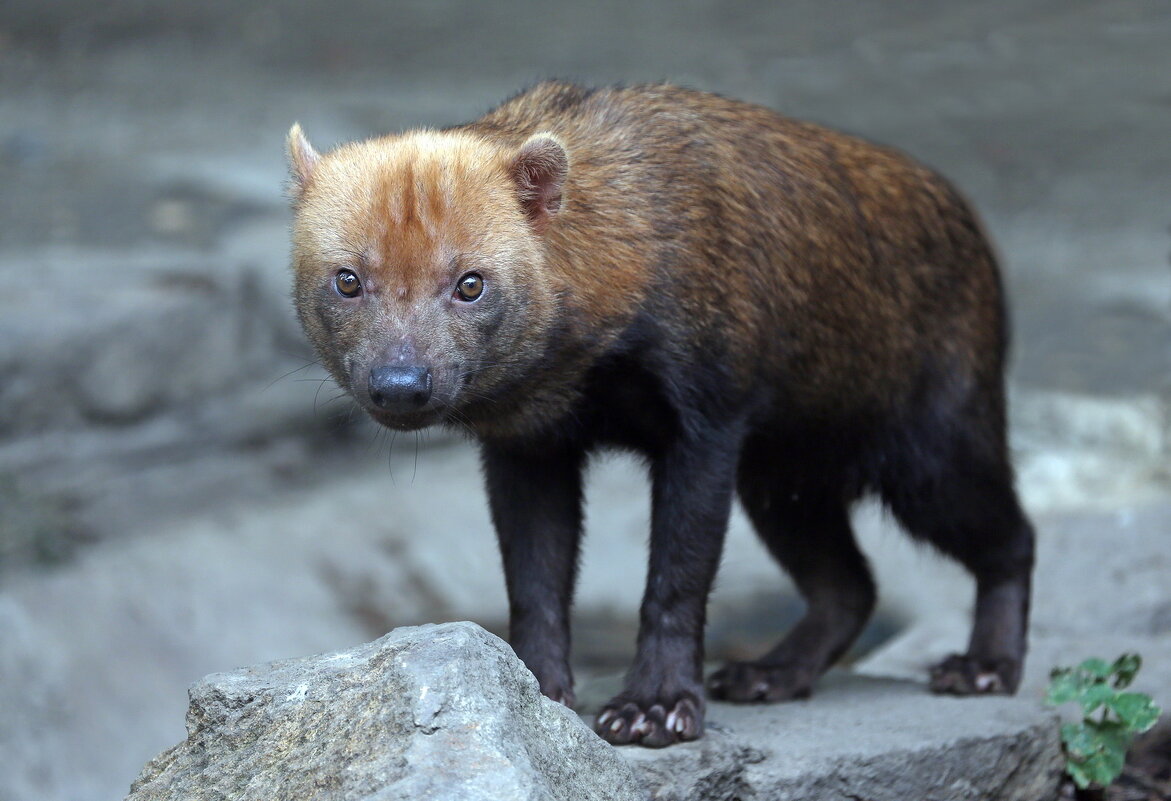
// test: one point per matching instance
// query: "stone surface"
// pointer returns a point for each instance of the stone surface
(860, 738)
(1091, 451)
(105, 646)
(449, 712)
(427, 712)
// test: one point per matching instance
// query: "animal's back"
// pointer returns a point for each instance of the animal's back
(842, 272)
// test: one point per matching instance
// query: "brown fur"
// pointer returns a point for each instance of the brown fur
(655, 213)
(727, 263)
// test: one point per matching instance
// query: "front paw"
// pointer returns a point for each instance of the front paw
(554, 678)
(651, 723)
(562, 695)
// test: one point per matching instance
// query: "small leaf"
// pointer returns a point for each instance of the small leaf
(1080, 740)
(1096, 747)
(1079, 774)
(1096, 752)
(1063, 687)
(1112, 735)
(1105, 766)
(1097, 667)
(1136, 711)
(1124, 669)
(1096, 695)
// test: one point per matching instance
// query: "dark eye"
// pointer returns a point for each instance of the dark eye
(347, 284)
(470, 287)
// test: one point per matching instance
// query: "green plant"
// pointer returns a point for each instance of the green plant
(1095, 748)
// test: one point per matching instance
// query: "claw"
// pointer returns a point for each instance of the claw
(653, 726)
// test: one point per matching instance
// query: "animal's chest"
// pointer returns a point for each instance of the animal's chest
(625, 404)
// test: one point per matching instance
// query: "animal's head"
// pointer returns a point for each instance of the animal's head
(419, 267)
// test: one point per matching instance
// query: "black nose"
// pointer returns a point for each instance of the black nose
(400, 389)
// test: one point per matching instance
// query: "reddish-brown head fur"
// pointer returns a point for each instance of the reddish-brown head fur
(411, 215)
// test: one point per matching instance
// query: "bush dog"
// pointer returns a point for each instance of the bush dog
(759, 306)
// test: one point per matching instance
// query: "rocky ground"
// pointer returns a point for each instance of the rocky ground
(449, 712)
(181, 493)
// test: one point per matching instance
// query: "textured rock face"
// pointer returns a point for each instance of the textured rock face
(863, 738)
(448, 712)
(425, 712)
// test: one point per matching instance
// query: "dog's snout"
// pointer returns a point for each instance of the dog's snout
(400, 388)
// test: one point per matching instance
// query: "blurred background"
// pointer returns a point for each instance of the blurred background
(182, 491)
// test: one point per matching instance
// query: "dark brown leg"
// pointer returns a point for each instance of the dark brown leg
(969, 511)
(535, 498)
(810, 536)
(662, 702)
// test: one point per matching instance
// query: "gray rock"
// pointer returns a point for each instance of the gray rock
(445, 712)
(448, 712)
(864, 738)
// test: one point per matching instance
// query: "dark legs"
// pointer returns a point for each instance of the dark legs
(972, 514)
(535, 497)
(809, 534)
(662, 702)
(951, 489)
(950, 486)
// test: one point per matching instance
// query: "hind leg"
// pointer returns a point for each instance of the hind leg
(970, 511)
(810, 535)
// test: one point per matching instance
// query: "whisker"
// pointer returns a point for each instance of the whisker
(455, 415)
(415, 469)
(297, 355)
(476, 395)
(390, 456)
(305, 366)
(340, 420)
(488, 366)
(316, 395)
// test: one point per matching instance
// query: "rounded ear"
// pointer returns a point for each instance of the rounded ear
(539, 171)
(302, 161)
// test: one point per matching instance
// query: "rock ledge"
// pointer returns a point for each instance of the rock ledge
(449, 712)
(363, 723)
